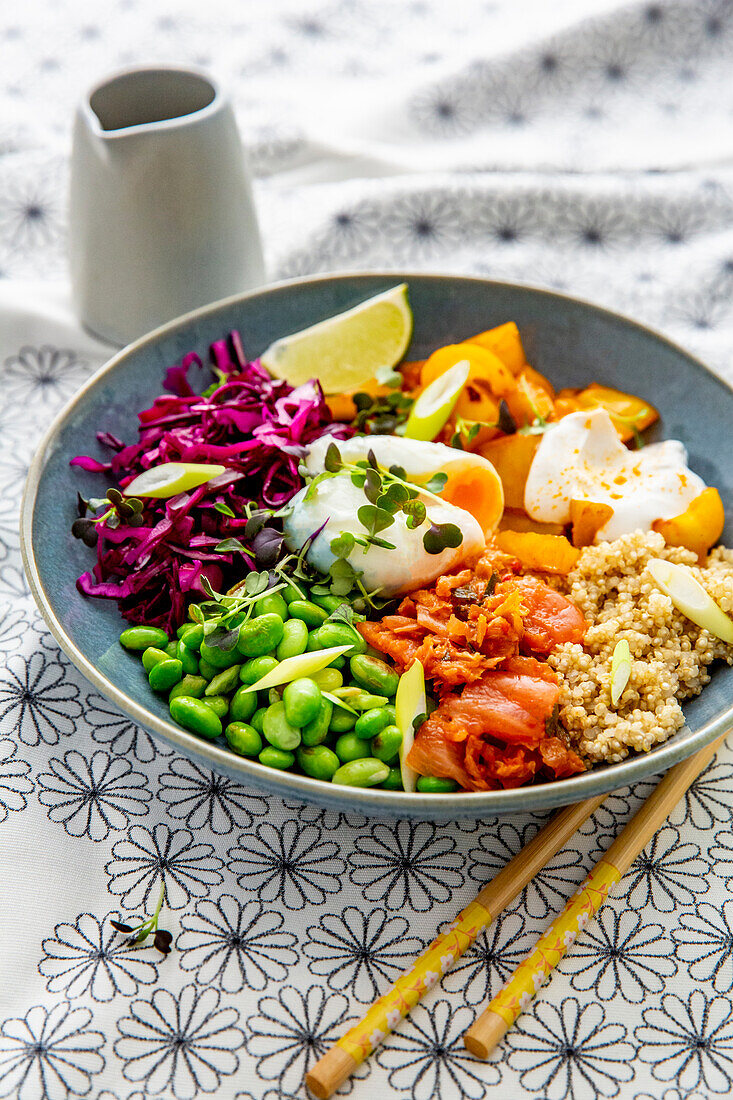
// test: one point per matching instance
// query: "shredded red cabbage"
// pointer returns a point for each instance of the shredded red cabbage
(258, 427)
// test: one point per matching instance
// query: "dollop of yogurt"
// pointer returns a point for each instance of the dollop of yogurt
(582, 458)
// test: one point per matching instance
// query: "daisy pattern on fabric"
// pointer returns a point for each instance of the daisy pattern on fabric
(292, 864)
(704, 941)
(13, 627)
(15, 784)
(408, 863)
(359, 952)
(721, 854)
(689, 1041)
(709, 801)
(325, 819)
(421, 225)
(619, 955)
(44, 376)
(93, 797)
(568, 1050)
(490, 960)
(203, 798)
(122, 736)
(92, 957)
(427, 1060)
(146, 857)
(293, 1030)
(38, 700)
(49, 1053)
(666, 874)
(549, 889)
(235, 945)
(181, 1044)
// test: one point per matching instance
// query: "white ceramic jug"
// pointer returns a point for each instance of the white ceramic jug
(161, 217)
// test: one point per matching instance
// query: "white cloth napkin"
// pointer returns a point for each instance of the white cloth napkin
(584, 147)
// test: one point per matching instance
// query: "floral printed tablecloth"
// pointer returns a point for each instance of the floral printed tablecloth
(581, 146)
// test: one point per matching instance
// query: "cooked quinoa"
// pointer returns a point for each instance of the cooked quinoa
(670, 655)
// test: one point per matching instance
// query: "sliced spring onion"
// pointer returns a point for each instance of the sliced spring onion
(435, 404)
(410, 702)
(171, 478)
(689, 597)
(338, 701)
(620, 670)
(305, 664)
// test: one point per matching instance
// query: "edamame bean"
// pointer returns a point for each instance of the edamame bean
(328, 603)
(328, 679)
(302, 700)
(224, 682)
(188, 659)
(294, 639)
(254, 670)
(172, 650)
(196, 716)
(189, 685)
(374, 675)
(139, 638)
(152, 657)
(338, 662)
(331, 634)
(342, 720)
(277, 729)
(206, 670)
(390, 708)
(350, 747)
(318, 762)
(243, 704)
(218, 703)
(258, 718)
(313, 643)
(372, 722)
(432, 784)
(311, 614)
(386, 744)
(244, 739)
(271, 604)
(165, 674)
(366, 701)
(361, 773)
(260, 635)
(317, 730)
(290, 593)
(393, 782)
(219, 658)
(192, 635)
(276, 758)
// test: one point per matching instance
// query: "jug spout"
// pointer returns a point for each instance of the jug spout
(141, 100)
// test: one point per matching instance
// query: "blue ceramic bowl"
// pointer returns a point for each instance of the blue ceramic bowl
(571, 342)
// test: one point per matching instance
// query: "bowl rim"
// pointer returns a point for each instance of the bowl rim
(369, 801)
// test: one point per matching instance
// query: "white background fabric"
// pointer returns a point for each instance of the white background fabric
(584, 147)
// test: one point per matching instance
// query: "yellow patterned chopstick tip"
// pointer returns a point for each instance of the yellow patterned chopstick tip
(386, 1013)
(532, 973)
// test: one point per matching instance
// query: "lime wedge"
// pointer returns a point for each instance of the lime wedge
(346, 351)
(689, 597)
(305, 664)
(171, 478)
(409, 704)
(435, 404)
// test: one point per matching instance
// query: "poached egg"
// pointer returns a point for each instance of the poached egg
(581, 457)
(472, 499)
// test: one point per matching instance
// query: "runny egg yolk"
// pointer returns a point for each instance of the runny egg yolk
(475, 489)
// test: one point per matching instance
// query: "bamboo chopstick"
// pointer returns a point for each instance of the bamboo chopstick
(338, 1063)
(493, 1023)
